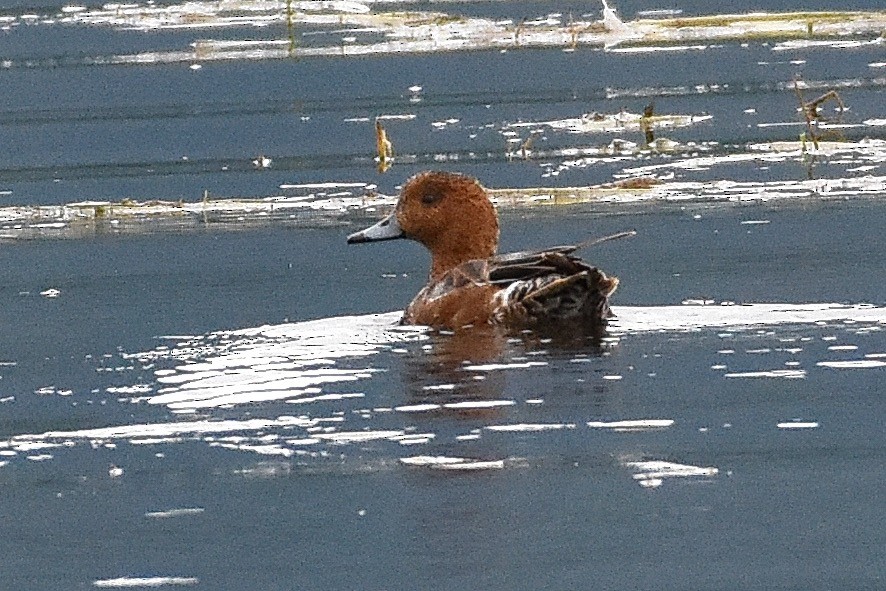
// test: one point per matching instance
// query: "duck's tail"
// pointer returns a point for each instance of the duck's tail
(581, 298)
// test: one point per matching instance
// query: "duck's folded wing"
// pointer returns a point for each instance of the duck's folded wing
(520, 266)
(550, 286)
(558, 260)
(530, 255)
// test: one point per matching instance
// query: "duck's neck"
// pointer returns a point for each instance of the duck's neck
(474, 242)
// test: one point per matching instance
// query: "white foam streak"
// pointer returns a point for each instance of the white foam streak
(798, 44)
(651, 474)
(852, 364)
(478, 404)
(475, 465)
(530, 427)
(171, 513)
(129, 582)
(264, 450)
(162, 430)
(500, 366)
(797, 425)
(452, 463)
(791, 374)
(632, 425)
(427, 407)
(359, 436)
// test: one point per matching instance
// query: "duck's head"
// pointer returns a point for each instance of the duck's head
(449, 213)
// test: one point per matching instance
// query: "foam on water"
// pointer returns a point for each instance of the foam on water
(798, 425)
(653, 473)
(358, 28)
(173, 513)
(450, 463)
(530, 427)
(791, 374)
(853, 364)
(631, 425)
(145, 582)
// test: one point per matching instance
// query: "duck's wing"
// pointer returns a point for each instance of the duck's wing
(531, 255)
(551, 285)
(552, 288)
(520, 266)
(517, 266)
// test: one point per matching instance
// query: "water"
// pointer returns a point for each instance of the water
(227, 404)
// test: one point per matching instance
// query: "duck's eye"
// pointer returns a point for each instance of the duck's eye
(431, 198)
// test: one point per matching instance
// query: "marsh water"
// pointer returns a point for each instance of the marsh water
(231, 405)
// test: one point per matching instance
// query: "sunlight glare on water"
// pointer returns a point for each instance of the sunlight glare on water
(328, 368)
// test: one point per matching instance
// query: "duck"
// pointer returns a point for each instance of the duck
(469, 283)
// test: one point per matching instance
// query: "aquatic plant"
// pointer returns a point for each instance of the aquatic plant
(384, 147)
(290, 29)
(809, 110)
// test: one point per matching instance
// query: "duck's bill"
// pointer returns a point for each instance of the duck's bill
(387, 229)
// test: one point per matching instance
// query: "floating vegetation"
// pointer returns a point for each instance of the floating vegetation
(811, 114)
(356, 28)
(811, 107)
(323, 205)
(620, 122)
(651, 156)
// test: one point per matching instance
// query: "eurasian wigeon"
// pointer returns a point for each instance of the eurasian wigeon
(469, 285)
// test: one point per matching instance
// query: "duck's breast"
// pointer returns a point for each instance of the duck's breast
(468, 305)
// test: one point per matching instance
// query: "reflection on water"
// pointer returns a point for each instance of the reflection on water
(314, 390)
(435, 377)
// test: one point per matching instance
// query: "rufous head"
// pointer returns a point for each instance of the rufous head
(447, 212)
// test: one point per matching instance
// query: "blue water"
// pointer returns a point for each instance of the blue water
(219, 407)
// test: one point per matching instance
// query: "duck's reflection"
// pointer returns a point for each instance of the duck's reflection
(469, 364)
(437, 372)
(561, 340)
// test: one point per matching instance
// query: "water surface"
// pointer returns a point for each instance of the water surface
(228, 403)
